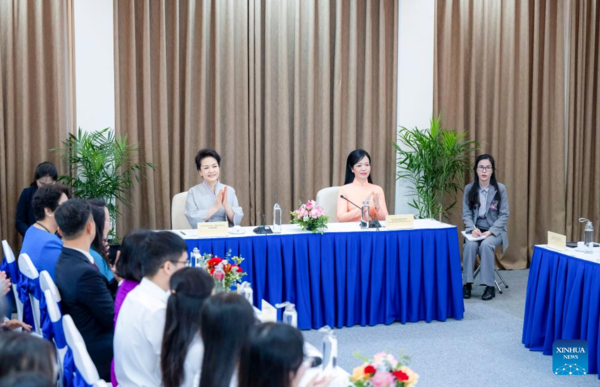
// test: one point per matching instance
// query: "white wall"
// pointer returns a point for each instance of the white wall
(415, 75)
(94, 64)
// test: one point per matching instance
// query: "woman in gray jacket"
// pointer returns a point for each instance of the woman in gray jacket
(485, 213)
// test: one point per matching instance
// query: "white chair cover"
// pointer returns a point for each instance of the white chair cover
(327, 198)
(28, 270)
(83, 362)
(10, 260)
(178, 219)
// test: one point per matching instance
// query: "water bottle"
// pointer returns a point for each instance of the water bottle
(290, 316)
(246, 291)
(588, 236)
(330, 349)
(277, 218)
(364, 215)
(195, 257)
(219, 277)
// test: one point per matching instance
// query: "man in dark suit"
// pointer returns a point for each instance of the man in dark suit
(84, 290)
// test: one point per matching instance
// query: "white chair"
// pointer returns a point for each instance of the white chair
(14, 277)
(327, 198)
(178, 219)
(47, 283)
(28, 270)
(81, 357)
(59, 336)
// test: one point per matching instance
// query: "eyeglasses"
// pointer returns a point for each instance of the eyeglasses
(485, 168)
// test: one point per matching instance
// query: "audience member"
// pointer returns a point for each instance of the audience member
(182, 348)
(45, 174)
(99, 250)
(23, 352)
(84, 291)
(40, 241)
(26, 379)
(273, 357)
(128, 266)
(224, 324)
(141, 322)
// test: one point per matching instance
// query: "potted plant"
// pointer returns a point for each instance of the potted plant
(433, 161)
(101, 166)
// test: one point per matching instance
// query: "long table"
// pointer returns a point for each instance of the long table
(563, 301)
(349, 276)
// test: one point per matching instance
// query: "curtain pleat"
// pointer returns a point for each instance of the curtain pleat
(36, 96)
(583, 188)
(283, 90)
(499, 74)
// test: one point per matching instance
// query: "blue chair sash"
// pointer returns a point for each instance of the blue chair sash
(23, 288)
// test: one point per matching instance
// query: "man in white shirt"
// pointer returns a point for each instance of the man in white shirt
(141, 321)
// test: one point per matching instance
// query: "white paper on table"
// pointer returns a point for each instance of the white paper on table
(268, 312)
(471, 238)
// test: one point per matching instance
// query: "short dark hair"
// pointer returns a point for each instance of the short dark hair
(133, 253)
(161, 247)
(204, 153)
(26, 379)
(72, 217)
(272, 355)
(47, 197)
(45, 169)
(34, 354)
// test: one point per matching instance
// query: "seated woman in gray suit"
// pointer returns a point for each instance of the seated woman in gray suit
(211, 200)
(485, 213)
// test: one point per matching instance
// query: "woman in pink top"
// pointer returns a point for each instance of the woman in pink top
(359, 188)
(129, 269)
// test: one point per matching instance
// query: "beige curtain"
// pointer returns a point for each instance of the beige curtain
(583, 188)
(499, 74)
(283, 90)
(34, 95)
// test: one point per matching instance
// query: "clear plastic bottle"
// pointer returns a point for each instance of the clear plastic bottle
(364, 215)
(290, 316)
(219, 277)
(277, 216)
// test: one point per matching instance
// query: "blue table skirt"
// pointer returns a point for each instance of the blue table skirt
(563, 303)
(344, 279)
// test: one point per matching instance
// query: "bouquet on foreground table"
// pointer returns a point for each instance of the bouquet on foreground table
(233, 272)
(384, 370)
(310, 217)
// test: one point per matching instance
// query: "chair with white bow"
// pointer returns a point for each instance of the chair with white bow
(30, 282)
(86, 373)
(13, 271)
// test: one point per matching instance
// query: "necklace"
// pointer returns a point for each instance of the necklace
(43, 227)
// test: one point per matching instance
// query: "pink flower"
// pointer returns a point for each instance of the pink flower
(301, 212)
(383, 379)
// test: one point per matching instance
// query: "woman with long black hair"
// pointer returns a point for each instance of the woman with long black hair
(225, 321)
(182, 348)
(358, 188)
(485, 213)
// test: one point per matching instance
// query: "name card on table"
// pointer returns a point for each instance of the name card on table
(213, 229)
(557, 241)
(400, 222)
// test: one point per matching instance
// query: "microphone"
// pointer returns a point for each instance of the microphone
(350, 201)
(373, 224)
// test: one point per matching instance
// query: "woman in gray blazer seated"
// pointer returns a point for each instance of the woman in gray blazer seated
(211, 201)
(485, 213)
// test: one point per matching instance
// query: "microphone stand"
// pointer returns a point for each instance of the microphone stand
(373, 224)
(262, 229)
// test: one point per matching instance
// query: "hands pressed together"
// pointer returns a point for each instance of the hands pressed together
(4, 289)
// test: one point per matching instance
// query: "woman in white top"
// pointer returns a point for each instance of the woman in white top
(211, 201)
(182, 348)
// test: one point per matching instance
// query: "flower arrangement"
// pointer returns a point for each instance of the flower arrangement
(233, 272)
(384, 371)
(310, 217)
